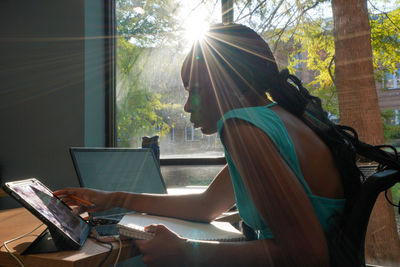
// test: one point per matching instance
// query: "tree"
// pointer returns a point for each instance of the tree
(385, 29)
(146, 22)
(354, 73)
(137, 116)
(141, 26)
(358, 104)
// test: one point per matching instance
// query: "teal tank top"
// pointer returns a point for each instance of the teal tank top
(268, 121)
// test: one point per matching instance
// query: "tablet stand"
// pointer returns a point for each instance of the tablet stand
(47, 241)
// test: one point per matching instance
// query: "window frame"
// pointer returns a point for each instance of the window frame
(110, 73)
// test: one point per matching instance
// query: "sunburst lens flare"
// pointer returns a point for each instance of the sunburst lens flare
(196, 28)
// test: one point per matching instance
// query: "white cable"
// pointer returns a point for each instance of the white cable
(12, 255)
(14, 239)
(119, 250)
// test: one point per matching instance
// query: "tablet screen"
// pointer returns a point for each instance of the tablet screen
(40, 198)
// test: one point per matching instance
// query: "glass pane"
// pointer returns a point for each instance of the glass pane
(153, 39)
(390, 81)
(178, 176)
(397, 79)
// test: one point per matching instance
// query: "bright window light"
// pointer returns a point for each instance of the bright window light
(196, 28)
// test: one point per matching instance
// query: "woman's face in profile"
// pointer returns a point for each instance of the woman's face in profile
(201, 102)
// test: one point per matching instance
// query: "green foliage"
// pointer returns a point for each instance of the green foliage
(137, 116)
(387, 116)
(385, 40)
(146, 22)
(128, 55)
(396, 193)
(390, 130)
(313, 40)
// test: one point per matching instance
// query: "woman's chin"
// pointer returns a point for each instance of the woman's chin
(208, 131)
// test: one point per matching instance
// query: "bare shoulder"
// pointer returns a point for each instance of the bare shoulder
(239, 132)
(249, 146)
(315, 159)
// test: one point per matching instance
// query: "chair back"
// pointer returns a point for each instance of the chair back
(347, 243)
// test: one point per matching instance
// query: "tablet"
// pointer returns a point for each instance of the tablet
(68, 230)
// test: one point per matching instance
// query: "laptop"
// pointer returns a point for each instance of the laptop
(117, 169)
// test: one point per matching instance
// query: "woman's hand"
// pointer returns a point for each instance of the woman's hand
(166, 248)
(100, 200)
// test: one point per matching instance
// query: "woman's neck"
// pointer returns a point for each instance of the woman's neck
(253, 101)
(244, 102)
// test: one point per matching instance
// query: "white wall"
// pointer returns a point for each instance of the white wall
(42, 90)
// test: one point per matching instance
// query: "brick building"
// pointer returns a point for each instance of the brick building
(389, 94)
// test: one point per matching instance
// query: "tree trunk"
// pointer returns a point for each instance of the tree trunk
(358, 105)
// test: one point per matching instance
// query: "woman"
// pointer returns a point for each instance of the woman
(280, 174)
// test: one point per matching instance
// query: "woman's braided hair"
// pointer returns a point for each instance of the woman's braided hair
(249, 62)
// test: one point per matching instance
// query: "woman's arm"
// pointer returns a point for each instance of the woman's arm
(206, 206)
(181, 252)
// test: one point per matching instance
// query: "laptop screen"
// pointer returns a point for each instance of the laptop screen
(118, 169)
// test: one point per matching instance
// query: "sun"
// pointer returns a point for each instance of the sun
(195, 28)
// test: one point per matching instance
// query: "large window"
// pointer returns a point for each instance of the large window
(153, 39)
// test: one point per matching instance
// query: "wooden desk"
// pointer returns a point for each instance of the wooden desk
(16, 222)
